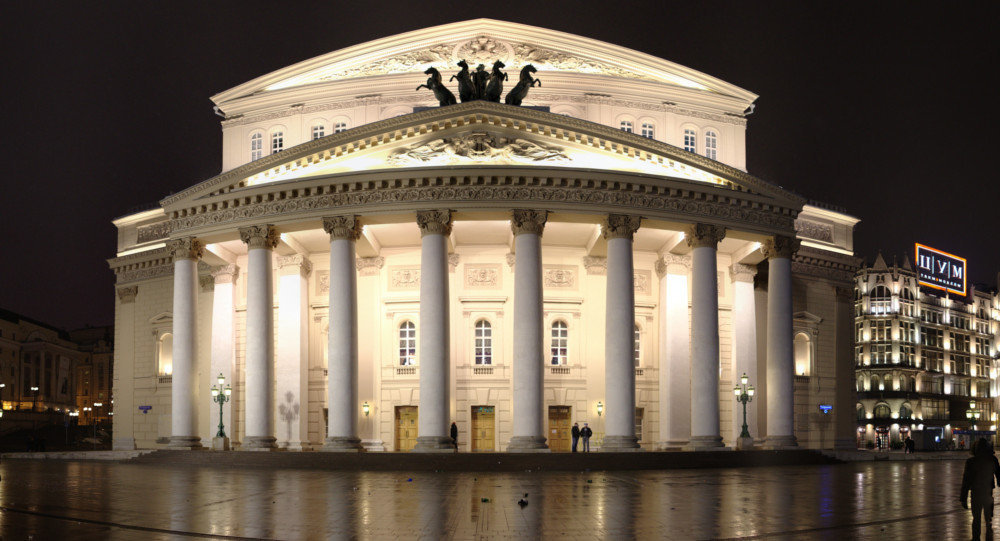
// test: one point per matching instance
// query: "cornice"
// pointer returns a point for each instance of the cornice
(820, 264)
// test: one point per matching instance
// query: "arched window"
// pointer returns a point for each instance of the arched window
(165, 355)
(626, 125)
(560, 342)
(277, 141)
(881, 292)
(648, 130)
(690, 140)
(913, 383)
(484, 342)
(256, 146)
(875, 384)
(339, 127)
(407, 343)
(637, 346)
(882, 411)
(318, 131)
(906, 294)
(803, 354)
(905, 412)
(861, 412)
(711, 145)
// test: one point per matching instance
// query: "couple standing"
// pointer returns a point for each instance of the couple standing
(584, 433)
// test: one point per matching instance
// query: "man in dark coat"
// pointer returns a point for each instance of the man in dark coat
(979, 475)
(576, 435)
(586, 433)
(454, 435)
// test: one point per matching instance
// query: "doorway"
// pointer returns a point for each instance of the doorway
(406, 427)
(483, 428)
(559, 428)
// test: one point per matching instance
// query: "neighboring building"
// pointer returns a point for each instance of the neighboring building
(370, 266)
(94, 374)
(925, 359)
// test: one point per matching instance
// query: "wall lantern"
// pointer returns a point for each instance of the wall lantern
(600, 408)
(366, 408)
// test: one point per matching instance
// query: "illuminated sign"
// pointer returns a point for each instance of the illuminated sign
(940, 270)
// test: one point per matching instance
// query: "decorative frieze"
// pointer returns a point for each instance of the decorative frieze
(620, 226)
(149, 233)
(595, 265)
(323, 282)
(185, 248)
(814, 230)
(434, 222)
(259, 236)
(528, 221)
(342, 227)
(780, 246)
(482, 277)
(369, 266)
(822, 264)
(127, 294)
(404, 278)
(704, 235)
(559, 276)
(225, 274)
(642, 282)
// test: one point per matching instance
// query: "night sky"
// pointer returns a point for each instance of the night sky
(888, 110)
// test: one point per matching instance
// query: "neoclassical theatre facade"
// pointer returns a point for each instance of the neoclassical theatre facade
(371, 266)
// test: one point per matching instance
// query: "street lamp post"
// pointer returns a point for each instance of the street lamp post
(973, 414)
(86, 413)
(220, 395)
(744, 394)
(34, 396)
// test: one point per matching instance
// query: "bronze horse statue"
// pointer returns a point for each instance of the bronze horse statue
(480, 78)
(434, 84)
(466, 87)
(495, 88)
(520, 90)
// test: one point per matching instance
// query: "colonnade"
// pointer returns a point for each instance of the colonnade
(689, 385)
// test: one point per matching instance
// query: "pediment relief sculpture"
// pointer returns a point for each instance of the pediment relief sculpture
(478, 147)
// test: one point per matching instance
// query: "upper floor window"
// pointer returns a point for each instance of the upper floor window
(484, 342)
(802, 352)
(690, 141)
(626, 126)
(637, 342)
(407, 343)
(256, 146)
(339, 127)
(711, 145)
(560, 342)
(318, 131)
(648, 130)
(277, 142)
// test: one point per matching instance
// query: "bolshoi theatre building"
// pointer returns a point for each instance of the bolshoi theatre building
(376, 262)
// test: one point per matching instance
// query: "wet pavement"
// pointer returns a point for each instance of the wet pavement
(95, 500)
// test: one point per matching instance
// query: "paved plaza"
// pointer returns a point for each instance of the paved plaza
(100, 500)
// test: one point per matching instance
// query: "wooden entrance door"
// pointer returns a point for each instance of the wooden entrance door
(406, 427)
(483, 427)
(559, 428)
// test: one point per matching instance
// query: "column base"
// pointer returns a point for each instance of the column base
(342, 445)
(527, 444)
(780, 442)
(220, 444)
(191, 443)
(620, 444)
(434, 444)
(295, 446)
(373, 445)
(259, 443)
(704, 443)
(744, 444)
(123, 444)
(671, 445)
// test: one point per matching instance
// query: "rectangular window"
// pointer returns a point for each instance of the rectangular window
(626, 126)
(648, 130)
(339, 127)
(560, 342)
(318, 132)
(690, 141)
(277, 142)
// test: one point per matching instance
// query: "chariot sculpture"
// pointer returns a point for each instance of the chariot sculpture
(481, 84)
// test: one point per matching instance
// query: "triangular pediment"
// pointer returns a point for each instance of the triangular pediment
(482, 41)
(481, 134)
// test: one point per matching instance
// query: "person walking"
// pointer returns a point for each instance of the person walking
(575, 432)
(454, 435)
(980, 472)
(586, 433)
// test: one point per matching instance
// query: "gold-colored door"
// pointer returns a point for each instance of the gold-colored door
(559, 428)
(483, 426)
(406, 427)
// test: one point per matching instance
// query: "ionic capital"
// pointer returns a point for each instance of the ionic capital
(225, 274)
(259, 236)
(667, 262)
(434, 222)
(742, 273)
(127, 294)
(528, 221)
(295, 263)
(185, 248)
(779, 247)
(342, 227)
(704, 235)
(620, 226)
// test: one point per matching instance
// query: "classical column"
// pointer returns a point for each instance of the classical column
(224, 340)
(744, 317)
(342, 346)
(619, 335)
(675, 352)
(292, 355)
(780, 359)
(529, 429)
(703, 240)
(433, 335)
(259, 399)
(183, 392)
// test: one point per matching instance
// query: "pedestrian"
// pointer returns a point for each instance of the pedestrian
(454, 435)
(586, 433)
(576, 435)
(978, 478)
(908, 445)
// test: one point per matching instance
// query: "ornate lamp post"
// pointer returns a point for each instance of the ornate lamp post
(220, 395)
(744, 394)
(86, 413)
(972, 414)
(34, 396)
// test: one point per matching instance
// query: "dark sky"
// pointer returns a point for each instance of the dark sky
(887, 109)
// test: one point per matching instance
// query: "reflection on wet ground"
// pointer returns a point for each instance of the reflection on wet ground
(92, 500)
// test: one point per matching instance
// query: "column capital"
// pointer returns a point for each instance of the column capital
(259, 236)
(666, 261)
(595, 265)
(453, 260)
(620, 226)
(779, 246)
(434, 222)
(742, 273)
(528, 221)
(369, 266)
(704, 235)
(342, 227)
(510, 258)
(295, 263)
(185, 248)
(225, 274)
(127, 294)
